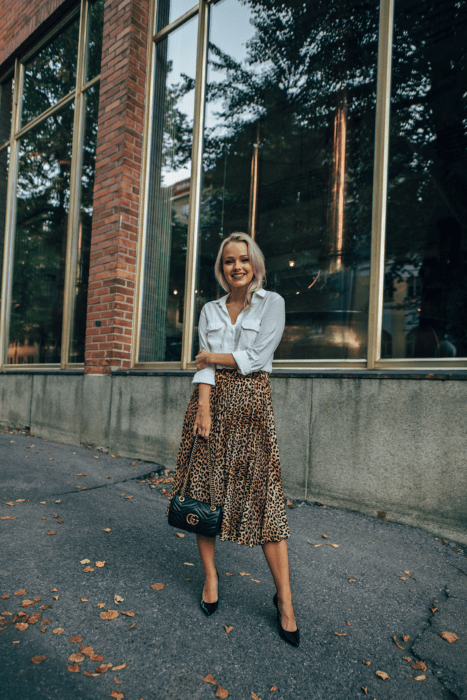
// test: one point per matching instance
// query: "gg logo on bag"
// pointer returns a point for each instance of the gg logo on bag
(192, 519)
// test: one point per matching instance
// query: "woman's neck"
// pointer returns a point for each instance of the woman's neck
(237, 296)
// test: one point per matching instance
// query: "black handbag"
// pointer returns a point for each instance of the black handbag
(192, 515)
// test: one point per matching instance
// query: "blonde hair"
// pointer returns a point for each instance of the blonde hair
(256, 260)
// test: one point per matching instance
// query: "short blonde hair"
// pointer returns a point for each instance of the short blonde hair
(256, 260)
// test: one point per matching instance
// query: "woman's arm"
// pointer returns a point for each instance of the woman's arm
(202, 424)
(204, 358)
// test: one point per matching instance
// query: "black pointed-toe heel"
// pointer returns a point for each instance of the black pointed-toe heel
(292, 638)
(210, 608)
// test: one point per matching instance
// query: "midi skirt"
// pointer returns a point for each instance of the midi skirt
(244, 457)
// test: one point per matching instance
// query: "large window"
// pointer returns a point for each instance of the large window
(335, 135)
(46, 218)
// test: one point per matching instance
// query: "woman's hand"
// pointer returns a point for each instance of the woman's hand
(203, 359)
(202, 424)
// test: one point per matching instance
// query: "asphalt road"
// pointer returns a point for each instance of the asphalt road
(168, 645)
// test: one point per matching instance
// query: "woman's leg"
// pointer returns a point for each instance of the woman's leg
(207, 548)
(278, 560)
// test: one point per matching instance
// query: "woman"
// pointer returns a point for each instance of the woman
(232, 404)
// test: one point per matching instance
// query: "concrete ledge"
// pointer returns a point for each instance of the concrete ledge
(15, 399)
(56, 408)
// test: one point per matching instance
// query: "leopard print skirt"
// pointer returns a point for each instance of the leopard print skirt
(245, 459)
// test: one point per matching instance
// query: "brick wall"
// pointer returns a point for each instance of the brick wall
(117, 186)
(23, 21)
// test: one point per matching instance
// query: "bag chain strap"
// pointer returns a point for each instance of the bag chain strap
(211, 475)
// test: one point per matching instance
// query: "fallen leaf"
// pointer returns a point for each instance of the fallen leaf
(436, 601)
(84, 600)
(106, 529)
(132, 626)
(85, 561)
(7, 517)
(74, 668)
(187, 563)
(325, 536)
(117, 681)
(405, 637)
(100, 605)
(38, 659)
(243, 573)
(273, 689)
(402, 578)
(22, 591)
(36, 598)
(228, 629)
(227, 574)
(53, 590)
(118, 668)
(102, 668)
(210, 679)
(96, 457)
(118, 599)
(4, 596)
(419, 666)
(133, 464)
(57, 501)
(340, 634)
(365, 690)
(46, 622)
(449, 636)
(180, 534)
(129, 497)
(382, 675)
(221, 692)
(129, 614)
(32, 619)
(397, 644)
(255, 580)
(157, 586)
(88, 569)
(407, 658)
(116, 693)
(27, 603)
(15, 642)
(58, 630)
(86, 649)
(76, 638)
(42, 503)
(351, 580)
(95, 657)
(21, 626)
(433, 610)
(76, 658)
(318, 545)
(9, 503)
(407, 572)
(348, 624)
(100, 564)
(55, 597)
(109, 615)
(20, 500)
(93, 675)
(255, 697)
(418, 678)
(332, 545)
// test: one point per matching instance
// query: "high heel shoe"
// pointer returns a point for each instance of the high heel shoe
(210, 608)
(292, 638)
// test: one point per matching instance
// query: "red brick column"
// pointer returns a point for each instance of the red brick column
(117, 186)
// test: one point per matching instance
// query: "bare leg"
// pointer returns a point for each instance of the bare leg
(207, 548)
(278, 560)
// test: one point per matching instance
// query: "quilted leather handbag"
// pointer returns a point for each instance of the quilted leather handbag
(192, 515)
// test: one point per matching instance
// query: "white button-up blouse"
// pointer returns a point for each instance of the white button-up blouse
(252, 339)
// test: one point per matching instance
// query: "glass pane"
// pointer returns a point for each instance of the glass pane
(288, 158)
(6, 100)
(78, 330)
(51, 74)
(43, 194)
(96, 25)
(170, 10)
(4, 158)
(425, 294)
(169, 192)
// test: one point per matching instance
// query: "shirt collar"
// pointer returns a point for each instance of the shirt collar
(222, 301)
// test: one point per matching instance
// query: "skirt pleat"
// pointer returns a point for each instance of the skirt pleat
(245, 459)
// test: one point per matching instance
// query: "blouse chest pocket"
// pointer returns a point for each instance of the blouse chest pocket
(215, 334)
(250, 329)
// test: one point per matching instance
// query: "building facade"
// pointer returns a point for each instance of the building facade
(136, 134)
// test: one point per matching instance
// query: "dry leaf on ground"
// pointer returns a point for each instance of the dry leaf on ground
(351, 580)
(407, 658)
(407, 572)
(367, 663)
(188, 563)
(255, 580)
(383, 675)
(93, 675)
(38, 659)
(221, 692)
(117, 681)
(88, 569)
(243, 573)
(84, 600)
(76, 658)
(365, 690)
(418, 678)
(402, 578)
(129, 613)
(58, 630)
(116, 694)
(157, 586)
(209, 679)
(254, 696)
(4, 596)
(340, 634)
(95, 657)
(21, 626)
(273, 689)
(419, 666)
(85, 561)
(100, 564)
(433, 610)
(86, 649)
(397, 644)
(102, 668)
(132, 626)
(106, 529)
(75, 638)
(332, 545)
(22, 591)
(228, 629)
(119, 668)
(109, 615)
(405, 637)
(348, 624)
(118, 599)
(100, 605)
(180, 534)
(74, 668)
(27, 603)
(449, 636)
(53, 590)
(52, 532)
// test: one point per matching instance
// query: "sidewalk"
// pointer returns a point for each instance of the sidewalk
(382, 581)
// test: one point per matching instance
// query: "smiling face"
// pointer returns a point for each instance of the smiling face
(236, 265)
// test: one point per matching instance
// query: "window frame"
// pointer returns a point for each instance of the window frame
(81, 12)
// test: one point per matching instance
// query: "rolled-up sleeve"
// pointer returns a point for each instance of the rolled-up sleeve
(269, 337)
(208, 374)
